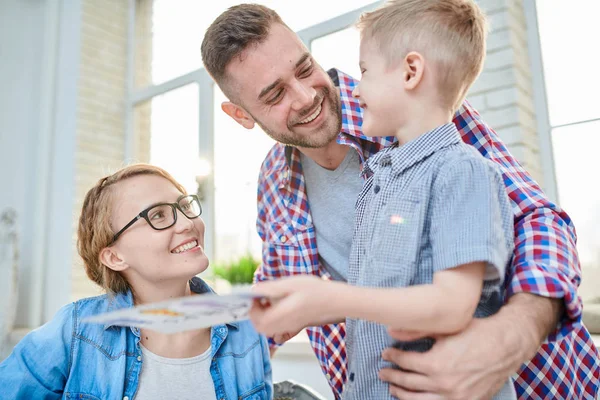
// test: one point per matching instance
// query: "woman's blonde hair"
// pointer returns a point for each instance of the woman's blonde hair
(95, 232)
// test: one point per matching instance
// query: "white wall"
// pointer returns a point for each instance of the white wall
(21, 45)
(38, 73)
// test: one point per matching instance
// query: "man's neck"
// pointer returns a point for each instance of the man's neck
(329, 157)
(422, 120)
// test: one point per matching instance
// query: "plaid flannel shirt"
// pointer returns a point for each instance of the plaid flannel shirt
(545, 259)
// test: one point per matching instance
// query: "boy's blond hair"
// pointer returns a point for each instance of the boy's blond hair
(451, 34)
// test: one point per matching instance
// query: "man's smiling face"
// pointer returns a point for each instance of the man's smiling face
(285, 91)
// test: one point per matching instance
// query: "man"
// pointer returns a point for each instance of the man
(271, 80)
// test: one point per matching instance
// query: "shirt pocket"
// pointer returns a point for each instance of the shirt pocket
(282, 234)
(259, 392)
(396, 240)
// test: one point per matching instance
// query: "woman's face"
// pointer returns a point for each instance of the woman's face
(148, 256)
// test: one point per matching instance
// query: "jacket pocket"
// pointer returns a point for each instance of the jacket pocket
(82, 396)
(258, 392)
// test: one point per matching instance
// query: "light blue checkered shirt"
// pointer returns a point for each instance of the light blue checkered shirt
(429, 205)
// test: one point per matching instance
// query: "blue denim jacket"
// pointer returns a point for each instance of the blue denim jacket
(67, 359)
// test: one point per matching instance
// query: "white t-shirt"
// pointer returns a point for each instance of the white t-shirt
(175, 378)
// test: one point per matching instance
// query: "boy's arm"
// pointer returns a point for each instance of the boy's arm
(443, 307)
(545, 271)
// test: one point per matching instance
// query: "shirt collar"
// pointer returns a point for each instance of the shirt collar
(351, 111)
(125, 300)
(403, 157)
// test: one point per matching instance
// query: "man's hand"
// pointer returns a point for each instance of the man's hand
(475, 363)
(293, 304)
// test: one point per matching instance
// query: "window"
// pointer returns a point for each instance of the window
(572, 84)
(345, 57)
(178, 26)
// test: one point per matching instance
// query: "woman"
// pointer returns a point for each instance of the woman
(154, 256)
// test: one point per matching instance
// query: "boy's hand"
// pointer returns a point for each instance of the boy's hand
(284, 337)
(294, 303)
(476, 362)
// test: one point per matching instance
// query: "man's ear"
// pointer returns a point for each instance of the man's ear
(414, 67)
(238, 114)
(112, 259)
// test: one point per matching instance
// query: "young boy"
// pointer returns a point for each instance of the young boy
(434, 229)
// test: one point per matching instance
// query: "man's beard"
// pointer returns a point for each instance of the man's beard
(319, 137)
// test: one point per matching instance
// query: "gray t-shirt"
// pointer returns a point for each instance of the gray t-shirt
(432, 204)
(329, 209)
(175, 378)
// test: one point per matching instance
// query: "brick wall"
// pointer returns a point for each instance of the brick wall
(102, 104)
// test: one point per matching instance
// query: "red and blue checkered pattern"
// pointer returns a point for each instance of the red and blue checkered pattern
(545, 260)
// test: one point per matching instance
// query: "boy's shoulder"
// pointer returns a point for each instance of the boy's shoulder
(462, 156)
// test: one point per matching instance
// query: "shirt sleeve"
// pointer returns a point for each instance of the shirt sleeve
(38, 367)
(545, 260)
(270, 267)
(471, 220)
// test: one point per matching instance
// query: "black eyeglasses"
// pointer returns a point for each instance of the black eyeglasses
(164, 215)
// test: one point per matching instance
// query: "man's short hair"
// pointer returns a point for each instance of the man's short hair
(233, 32)
(449, 33)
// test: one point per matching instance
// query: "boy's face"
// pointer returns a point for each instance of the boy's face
(380, 92)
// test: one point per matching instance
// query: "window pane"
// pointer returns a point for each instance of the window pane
(169, 32)
(576, 158)
(570, 62)
(339, 50)
(174, 134)
(312, 11)
(238, 156)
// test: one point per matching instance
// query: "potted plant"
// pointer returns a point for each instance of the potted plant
(239, 272)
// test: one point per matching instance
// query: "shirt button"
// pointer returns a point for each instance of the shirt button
(328, 376)
(285, 174)
(385, 160)
(139, 358)
(126, 398)
(283, 239)
(376, 189)
(352, 377)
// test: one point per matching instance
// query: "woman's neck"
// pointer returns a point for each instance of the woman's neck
(176, 345)
(150, 292)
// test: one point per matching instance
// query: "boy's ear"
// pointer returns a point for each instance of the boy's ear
(112, 259)
(238, 114)
(414, 67)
